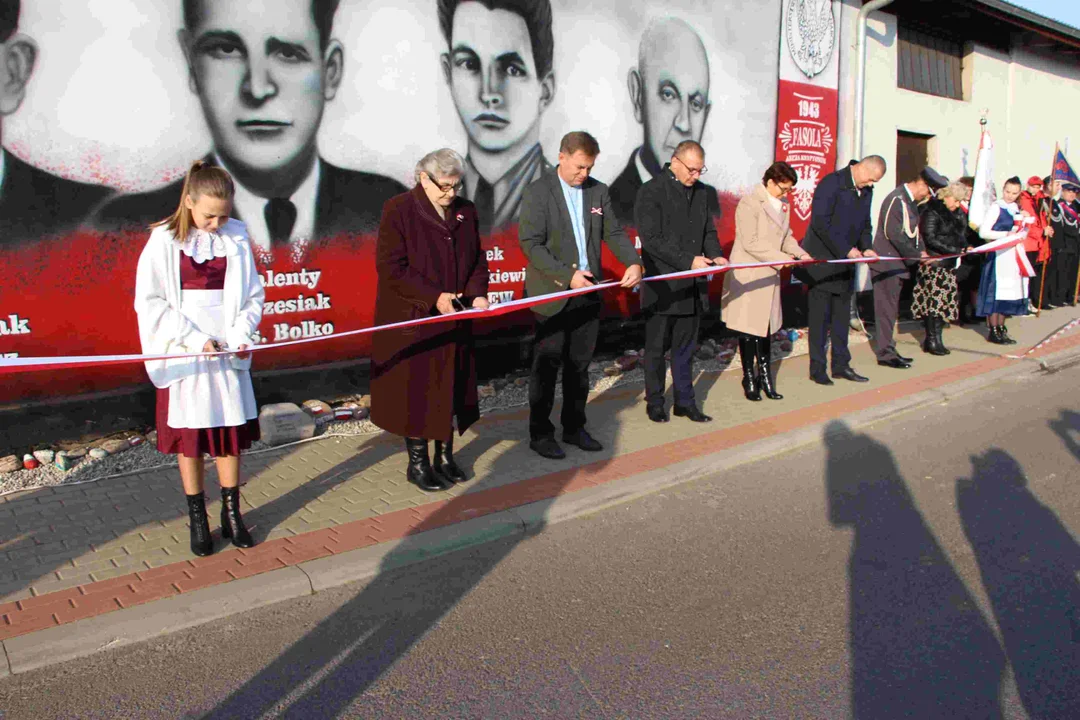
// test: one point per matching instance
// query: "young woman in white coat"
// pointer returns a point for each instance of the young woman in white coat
(197, 291)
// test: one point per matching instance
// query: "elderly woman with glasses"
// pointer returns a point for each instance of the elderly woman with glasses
(751, 299)
(429, 262)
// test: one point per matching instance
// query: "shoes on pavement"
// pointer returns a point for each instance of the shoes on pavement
(1004, 335)
(420, 473)
(583, 440)
(849, 374)
(656, 413)
(691, 413)
(444, 464)
(909, 361)
(894, 363)
(822, 379)
(547, 447)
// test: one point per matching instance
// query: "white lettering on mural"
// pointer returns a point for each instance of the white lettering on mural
(301, 303)
(14, 325)
(10, 356)
(306, 329)
(501, 296)
(307, 278)
(809, 108)
(494, 253)
(512, 276)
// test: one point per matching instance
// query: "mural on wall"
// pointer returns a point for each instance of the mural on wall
(320, 110)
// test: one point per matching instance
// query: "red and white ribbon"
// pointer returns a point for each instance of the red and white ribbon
(26, 364)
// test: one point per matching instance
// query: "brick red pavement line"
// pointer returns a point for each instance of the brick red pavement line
(61, 607)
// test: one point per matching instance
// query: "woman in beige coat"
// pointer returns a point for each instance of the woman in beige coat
(751, 299)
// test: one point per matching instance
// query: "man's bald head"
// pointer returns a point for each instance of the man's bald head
(670, 86)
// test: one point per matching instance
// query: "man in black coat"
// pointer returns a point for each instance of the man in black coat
(839, 228)
(1065, 245)
(264, 72)
(677, 233)
(34, 204)
(565, 215)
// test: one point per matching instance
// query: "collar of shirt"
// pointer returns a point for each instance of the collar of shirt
(911, 196)
(3, 166)
(858, 191)
(250, 208)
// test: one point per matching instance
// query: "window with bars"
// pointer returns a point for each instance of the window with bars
(929, 64)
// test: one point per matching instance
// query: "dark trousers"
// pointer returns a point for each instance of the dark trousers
(679, 332)
(1035, 283)
(566, 340)
(828, 314)
(1061, 277)
(886, 308)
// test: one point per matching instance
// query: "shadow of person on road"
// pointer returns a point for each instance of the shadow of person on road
(341, 658)
(920, 647)
(1067, 427)
(1029, 562)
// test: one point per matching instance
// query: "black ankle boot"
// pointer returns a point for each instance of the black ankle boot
(1003, 334)
(764, 368)
(201, 542)
(420, 473)
(232, 525)
(444, 461)
(747, 352)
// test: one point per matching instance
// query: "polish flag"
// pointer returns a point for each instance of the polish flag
(983, 194)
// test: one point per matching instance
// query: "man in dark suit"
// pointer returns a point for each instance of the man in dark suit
(898, 236)
(565, 215)
(677, 233)
(669, 90)
(839, 228)
(263, 76)
(34, 204)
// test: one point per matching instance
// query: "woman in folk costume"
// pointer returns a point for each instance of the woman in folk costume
(1003, 286)
(751, 299)
(197, 291)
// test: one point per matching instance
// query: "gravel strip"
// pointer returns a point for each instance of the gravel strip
(142, 458)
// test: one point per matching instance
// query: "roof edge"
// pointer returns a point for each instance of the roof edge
(1029, 20)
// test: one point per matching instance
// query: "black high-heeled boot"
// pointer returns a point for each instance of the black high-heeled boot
(232, 525)
(765, 376)
(201, 542)
(939, 335)
(993, 335)
(444, 461)
(747, 353)
(932, 343)
(420, 472)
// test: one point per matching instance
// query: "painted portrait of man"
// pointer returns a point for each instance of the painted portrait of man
(263, 71)
(498, 65)
(34, 204)
(669, 91)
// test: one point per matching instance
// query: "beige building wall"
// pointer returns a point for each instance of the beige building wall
(1030, 103)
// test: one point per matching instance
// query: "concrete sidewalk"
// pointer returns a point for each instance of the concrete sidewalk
(108, 563)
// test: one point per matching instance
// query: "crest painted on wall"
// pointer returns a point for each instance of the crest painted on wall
(811, 31)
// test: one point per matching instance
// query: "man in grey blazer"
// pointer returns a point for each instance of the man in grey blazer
(898, 236)
(564, 217)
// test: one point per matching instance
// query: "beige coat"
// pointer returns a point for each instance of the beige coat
(751, 299)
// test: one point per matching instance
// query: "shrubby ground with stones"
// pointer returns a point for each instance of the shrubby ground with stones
(130, 452)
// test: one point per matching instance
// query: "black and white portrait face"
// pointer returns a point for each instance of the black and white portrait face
(493, 78)
(18, 54)
(263, 78)
(670, 86)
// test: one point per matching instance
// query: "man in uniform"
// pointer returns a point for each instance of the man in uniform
(565, 215)
(677, 233)
(1065, 220)
(898, 236)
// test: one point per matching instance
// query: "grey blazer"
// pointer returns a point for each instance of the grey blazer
(547, 237)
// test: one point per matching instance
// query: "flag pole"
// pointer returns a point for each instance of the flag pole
(1046, 224)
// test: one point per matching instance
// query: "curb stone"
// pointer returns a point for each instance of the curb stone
(118, 629)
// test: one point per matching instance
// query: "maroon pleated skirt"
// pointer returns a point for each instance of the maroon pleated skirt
(194, 443)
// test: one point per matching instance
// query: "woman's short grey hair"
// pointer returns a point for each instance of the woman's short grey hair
(956, 190)
(442, 163)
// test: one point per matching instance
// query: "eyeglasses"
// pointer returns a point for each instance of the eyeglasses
(785, 189)
(694, 172)
(445, 187)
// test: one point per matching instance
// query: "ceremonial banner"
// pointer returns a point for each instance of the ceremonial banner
(806, 123)
(984, 192)
(1063, 170)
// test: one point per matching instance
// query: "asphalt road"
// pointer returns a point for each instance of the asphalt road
(926, 567)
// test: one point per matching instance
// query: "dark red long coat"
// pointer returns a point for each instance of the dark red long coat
(422, 377)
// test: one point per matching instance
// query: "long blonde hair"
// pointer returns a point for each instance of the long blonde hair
(201, 179)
